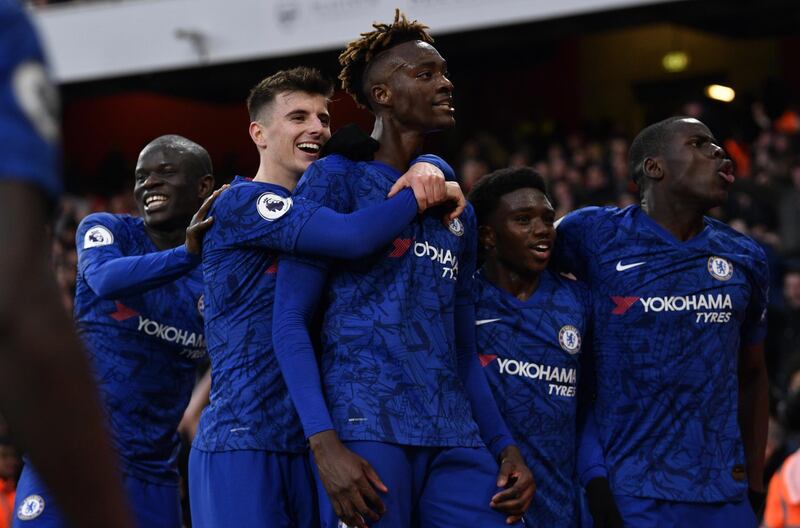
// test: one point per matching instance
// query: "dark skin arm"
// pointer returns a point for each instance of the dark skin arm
(753, 411)
(46, 390)
(517, 480)
(349, 480)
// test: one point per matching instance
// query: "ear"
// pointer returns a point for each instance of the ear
(653, 168)
(381, 94)
(205, 186)
(487, 238)
(258, 134)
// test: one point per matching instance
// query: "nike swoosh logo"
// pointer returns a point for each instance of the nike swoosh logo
(480, 322)
(623, 267)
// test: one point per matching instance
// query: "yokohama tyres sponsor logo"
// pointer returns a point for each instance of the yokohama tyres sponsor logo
(687, 303)
(708, 308)
(560, 381)
(445, 257)
(194, 342)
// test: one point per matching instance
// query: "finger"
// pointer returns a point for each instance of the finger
(419, 194)
(440, 186)
(398, 186)
(430, 193)
(374, 479)
(513, 507)
(461, 204)
(503, 475)
(368, 493)
(511, 519)
(208, 202)
(202, 227)
(360, 505)
(349, 515)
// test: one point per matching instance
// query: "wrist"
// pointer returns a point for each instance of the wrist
(324, 441)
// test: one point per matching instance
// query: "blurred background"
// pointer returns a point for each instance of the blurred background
(561, 86)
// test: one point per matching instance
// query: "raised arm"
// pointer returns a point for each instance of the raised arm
(111, 275)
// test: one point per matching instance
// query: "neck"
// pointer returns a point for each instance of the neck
(681, 217)
(167, 239)
(397, 144)
(521, 286)
(272, 173)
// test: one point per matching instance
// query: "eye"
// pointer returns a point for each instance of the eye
(426, 74)
(325, 120)
(522, 219)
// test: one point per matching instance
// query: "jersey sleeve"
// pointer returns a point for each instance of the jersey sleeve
(299, 287)
(465, 288)
(442, 165)
(247, 217)
(29, 127)
(754, 329)
(110, 273)
(493, 429)
(574, 245)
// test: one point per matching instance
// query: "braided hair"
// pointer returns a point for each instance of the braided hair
(359, 53)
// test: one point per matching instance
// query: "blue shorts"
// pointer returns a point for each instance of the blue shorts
(258, 489)
(153, 505)
(430, 487)
(640, 512)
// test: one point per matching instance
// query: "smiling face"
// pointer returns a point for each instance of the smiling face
(291, 131)
(695, 167)
(411, 81)
(520, 231)
(168, 187)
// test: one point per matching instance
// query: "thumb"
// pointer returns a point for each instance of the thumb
(399, 185)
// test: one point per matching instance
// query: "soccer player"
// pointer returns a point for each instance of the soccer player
(139, 310)
(392, 427)
(46, 391)
(249, 460)
(678, 324)
(531, 325)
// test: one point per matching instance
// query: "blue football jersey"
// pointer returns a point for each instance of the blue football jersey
(388, 359)
(250, 406)
(29, 126)
(531, 353)
(144, 347)
(668, 321)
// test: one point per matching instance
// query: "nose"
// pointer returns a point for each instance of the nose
(719, 152)
(316, 127)
(151, 180)
(541, 228)
(447, 84)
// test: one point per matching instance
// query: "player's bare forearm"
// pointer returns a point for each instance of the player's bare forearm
(198, 402)
(46, 391)
(753, 411)
(349, 480)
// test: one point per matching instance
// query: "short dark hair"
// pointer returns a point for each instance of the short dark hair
(360, 52)
(486, 194)
(299, 79)
(195, 152)
(647, 144)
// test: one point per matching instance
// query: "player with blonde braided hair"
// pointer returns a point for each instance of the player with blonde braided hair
(401, 422)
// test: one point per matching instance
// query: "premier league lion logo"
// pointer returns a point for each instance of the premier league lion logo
(272, 206)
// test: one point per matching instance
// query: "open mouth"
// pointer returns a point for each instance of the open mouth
(154, 202)
(726, 172)
(309, 148)
(542, 248)
(447, 104)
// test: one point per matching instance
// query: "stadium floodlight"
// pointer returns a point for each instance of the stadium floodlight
(675, 61)
(719, 92)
